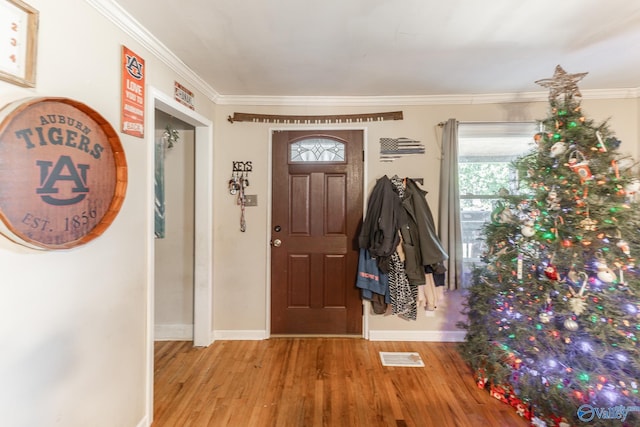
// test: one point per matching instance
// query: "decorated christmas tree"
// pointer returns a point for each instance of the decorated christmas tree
(554, 311)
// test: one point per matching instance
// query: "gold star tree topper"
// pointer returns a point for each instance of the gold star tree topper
(562, 83)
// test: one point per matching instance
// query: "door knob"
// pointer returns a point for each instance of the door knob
(277, 243)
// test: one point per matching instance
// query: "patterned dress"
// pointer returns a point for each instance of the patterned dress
(403, 295)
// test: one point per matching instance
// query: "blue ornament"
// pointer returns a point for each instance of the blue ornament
(613, 142)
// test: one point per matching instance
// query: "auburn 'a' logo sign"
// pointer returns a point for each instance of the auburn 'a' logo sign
(63, 173)
(50, 180)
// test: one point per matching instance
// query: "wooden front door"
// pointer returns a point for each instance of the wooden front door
(316, 213)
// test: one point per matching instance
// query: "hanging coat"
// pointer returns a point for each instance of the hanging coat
(373, 283)
(379, 229)
(419, 234)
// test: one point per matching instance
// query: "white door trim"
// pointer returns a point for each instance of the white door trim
(203, 239)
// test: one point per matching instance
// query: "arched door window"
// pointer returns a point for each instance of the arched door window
(317, 150)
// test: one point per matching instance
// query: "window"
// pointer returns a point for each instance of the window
(317, 150)
(485, 153)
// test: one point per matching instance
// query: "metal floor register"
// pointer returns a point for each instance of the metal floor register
(409, 359)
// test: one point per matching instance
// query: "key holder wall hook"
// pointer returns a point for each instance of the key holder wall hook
(237, 184)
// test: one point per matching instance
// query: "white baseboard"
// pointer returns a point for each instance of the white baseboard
(431, 336)
(143, 422)
(178, 332)
(249, 335)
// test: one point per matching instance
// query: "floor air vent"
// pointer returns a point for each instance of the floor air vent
(409, 359)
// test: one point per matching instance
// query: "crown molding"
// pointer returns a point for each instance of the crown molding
(116, 14)
(620, 93)
(121, 18)
(356, 101)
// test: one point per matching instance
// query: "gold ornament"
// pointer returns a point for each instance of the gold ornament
(571, 324)
(577, 302)
(605, 274)
(578, 305)
(589, 224)
(545, 317)
(562, 83)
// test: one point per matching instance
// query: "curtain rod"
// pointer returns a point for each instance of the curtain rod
(489, 122)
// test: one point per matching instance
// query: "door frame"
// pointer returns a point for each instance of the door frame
(203, 225)
(364, 129)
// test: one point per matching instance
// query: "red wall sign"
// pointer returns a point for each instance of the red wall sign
(132, 93)
(63, 173)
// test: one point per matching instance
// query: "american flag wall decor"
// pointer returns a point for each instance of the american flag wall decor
(394, 148)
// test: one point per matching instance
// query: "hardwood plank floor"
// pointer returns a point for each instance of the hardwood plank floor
(307, 382)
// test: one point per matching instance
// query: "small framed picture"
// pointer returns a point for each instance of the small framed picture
(18, 42)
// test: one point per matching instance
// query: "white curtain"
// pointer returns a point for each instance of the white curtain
(449, 205)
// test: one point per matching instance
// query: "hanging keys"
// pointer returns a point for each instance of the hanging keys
(237, 184)
(234, 186)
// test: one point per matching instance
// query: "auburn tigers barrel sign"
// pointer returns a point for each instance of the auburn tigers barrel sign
(63, 173)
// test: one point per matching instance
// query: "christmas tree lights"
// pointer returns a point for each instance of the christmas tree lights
(554, 312)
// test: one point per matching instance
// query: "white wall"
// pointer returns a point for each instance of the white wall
(73, 322)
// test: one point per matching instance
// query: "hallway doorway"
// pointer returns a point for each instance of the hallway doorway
(202, 223)
(174, 228)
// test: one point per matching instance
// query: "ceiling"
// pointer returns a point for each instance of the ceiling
(396, 47)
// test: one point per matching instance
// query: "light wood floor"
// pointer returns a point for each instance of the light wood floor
(293, 382)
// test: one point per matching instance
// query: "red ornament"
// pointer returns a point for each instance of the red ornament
(552, 272)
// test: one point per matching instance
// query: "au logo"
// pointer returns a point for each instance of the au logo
(134, 67)
(63, 170)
